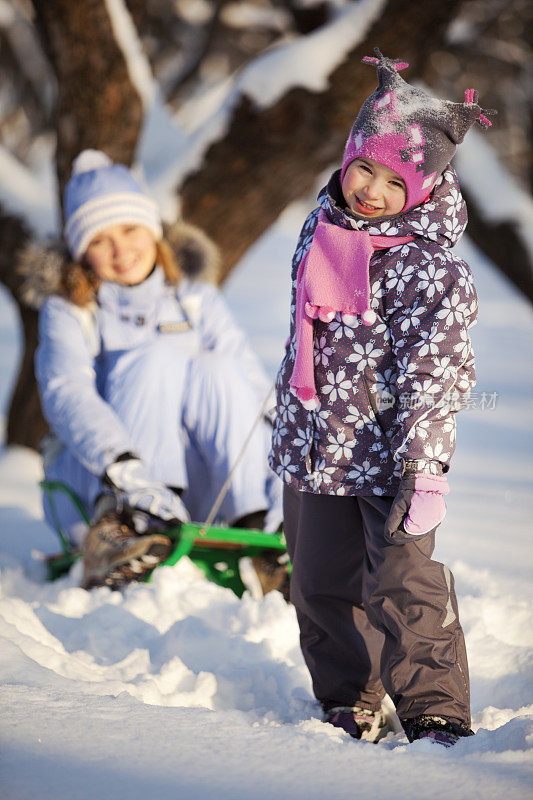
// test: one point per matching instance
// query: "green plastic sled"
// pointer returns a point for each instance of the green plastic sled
(215, 550)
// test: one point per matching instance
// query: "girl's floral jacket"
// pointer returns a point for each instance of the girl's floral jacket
(391, 390)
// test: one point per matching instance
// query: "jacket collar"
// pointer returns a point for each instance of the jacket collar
(129, 298)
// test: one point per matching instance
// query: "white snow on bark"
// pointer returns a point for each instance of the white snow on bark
(128, 40)
(29, 194)
(246, 15)
(307, 61)
(7, 14)
(26, 48)
(159, 139)
(195, 12)
(496, 192)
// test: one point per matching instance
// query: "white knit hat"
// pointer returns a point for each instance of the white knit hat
(101, 193)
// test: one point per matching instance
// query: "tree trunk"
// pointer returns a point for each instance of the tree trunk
(98, 107)
(25, 424)
(271, 157)
(503, 244)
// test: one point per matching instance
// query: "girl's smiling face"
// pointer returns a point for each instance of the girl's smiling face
(123, 254)
(371, 189)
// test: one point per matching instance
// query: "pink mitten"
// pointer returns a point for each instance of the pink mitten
(427, 508)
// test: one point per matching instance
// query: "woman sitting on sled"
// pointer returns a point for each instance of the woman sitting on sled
(146, 381)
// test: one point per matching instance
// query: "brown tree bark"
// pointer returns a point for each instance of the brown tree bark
(25, 424)
(271, 157)
(98, 107)
(306, 18)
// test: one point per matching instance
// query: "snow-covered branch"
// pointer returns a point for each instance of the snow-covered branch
(127, 39)
(31, 196)
(306, 62)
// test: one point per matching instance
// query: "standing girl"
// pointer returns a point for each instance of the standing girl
(378, 363)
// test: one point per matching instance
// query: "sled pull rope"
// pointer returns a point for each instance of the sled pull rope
(225, 486)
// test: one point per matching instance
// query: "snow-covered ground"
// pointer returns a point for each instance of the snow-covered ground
(176, 689)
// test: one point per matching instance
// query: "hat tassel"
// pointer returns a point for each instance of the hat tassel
(471, 96)
(396, 63)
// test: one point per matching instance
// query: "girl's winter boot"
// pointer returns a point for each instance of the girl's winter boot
(360, 723)
(436, 729)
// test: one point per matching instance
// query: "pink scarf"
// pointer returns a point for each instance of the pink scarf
(332, 277)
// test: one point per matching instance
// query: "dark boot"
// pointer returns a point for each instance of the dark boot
(436, 729)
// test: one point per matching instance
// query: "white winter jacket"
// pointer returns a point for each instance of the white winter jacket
(76, 345)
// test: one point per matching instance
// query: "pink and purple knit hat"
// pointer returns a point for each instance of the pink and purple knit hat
(408, 130)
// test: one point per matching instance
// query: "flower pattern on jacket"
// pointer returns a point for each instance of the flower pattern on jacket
(392, 389)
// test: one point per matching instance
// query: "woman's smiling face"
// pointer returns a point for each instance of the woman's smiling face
(123, 254)
(372, 190)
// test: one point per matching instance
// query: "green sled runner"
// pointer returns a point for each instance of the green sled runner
(215, 550)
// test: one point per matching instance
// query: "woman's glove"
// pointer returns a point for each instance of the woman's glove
(419, 505)
(131, 479)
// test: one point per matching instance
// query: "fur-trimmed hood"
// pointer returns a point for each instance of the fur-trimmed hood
(41, 265)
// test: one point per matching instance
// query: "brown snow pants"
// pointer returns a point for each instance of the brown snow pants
(374, 616)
